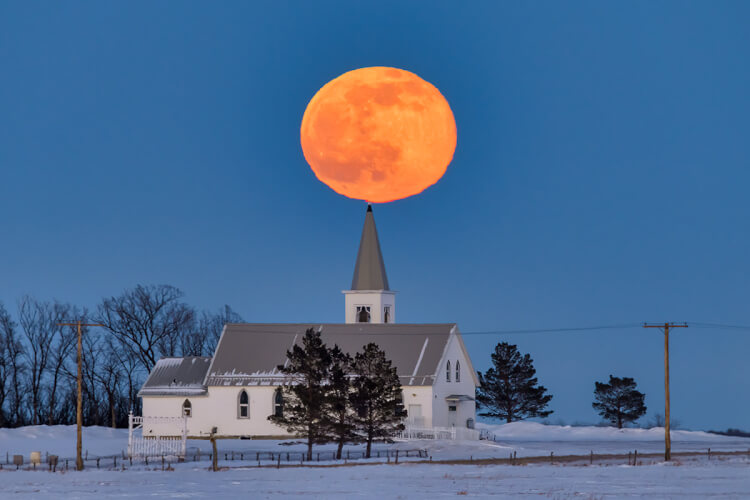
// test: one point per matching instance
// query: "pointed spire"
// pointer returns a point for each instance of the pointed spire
(369, 271)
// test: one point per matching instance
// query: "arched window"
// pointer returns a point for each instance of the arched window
(387, 314)
(187, 409)
(244, 405)
(448, 372)
(278, 403)
(458, 371)
(363, 314)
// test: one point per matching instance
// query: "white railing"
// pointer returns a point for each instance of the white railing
(448, 433)
(172, 444)
(163, 446)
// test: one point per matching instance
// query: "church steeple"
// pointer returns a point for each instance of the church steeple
(369, 270)
(370, 299)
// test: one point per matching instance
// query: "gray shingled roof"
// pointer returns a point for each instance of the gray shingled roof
(249, 354)
(177, 377)
(369, 271)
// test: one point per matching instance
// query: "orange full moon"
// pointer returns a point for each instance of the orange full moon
(378, 134)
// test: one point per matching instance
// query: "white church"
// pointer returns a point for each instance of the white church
(237, 389)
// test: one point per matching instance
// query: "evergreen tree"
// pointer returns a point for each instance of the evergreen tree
(509, 389)
(338, 415)
(306, 390)
(376, 395)
(619, 401)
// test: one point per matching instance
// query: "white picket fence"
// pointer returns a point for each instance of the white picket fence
(450, 433)
(163, 446)
(157, 446)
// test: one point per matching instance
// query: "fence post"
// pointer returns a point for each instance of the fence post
(635, 457)
(278, 462)
(396, 456)
(709, 453)
(97, 463)
(130, 432)
(551, 457)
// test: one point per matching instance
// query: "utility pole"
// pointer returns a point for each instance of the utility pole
(79, 402)
(665, 328)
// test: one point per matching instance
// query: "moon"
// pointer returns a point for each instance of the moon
(378, 134)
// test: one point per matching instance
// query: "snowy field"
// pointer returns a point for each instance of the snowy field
(526, 439)
(685, 477)
(700, 479)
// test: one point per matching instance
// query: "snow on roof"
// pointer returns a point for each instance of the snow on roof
(177, 377)
(250, 353)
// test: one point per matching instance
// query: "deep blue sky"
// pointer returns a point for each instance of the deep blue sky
(600, 178)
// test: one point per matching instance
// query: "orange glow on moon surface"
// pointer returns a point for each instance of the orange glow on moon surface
(378, 134)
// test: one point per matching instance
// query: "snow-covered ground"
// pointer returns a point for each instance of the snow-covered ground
(527, 439)
(696, 477)
(701, 479)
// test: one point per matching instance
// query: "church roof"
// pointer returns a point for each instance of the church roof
(249, 354)
(177, 377)
(369, 271)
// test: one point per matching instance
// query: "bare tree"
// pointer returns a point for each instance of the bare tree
(6, 324)
(109, 375)
(39, 324)
(131, 370)
(151, 319)
(64, 343)
(207, 330)
(16, 370)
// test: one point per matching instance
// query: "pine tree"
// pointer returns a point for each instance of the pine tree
(338, 415)
(376, 395)
(305, 392)
(619, 401)
(509, 389)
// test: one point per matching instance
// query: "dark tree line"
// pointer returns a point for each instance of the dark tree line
(509, 390)
(331, 396)
(38, 355)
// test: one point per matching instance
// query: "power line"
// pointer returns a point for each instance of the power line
(554, 330)
(721, 326)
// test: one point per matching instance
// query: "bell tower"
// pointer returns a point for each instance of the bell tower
(370, 300)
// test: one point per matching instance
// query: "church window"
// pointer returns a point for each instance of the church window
(278, 403)
(452, 408)
(458, 372)
(448, 372)
(387, 314)
(363, 314)
(244, 405)
(187, 409)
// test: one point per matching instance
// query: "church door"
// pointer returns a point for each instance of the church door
(415, 415)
